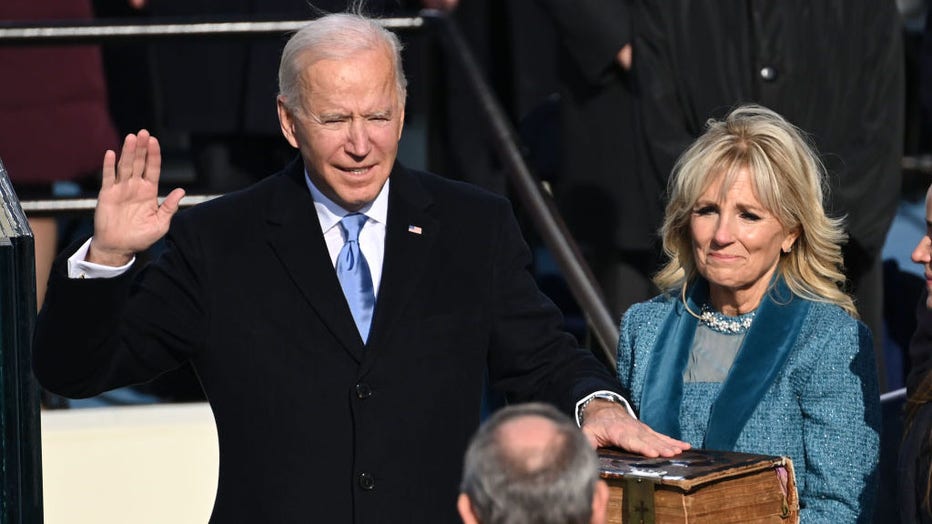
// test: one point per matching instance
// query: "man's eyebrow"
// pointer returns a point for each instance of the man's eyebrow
(328, 115)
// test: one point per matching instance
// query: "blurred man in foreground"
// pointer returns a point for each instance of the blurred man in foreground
(529, 464)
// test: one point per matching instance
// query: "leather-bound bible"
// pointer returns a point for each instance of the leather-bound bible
(699, 486)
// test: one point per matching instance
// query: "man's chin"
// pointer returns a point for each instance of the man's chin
(356, 201)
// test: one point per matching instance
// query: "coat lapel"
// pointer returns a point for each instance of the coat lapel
(663, 385)
(295, 237)
(409, 234)
(762, 357)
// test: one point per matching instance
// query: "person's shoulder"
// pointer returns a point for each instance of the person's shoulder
(830, 329)
(823, 315)
(243, 204)
(649, 311)
(446, 189)
(663, 301)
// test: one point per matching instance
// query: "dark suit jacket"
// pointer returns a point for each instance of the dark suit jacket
(313, 426)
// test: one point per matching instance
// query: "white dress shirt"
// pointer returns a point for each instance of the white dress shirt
(371, 236)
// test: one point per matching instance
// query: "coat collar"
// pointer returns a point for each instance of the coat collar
(760, 360)
(410, 232)
(294, 234)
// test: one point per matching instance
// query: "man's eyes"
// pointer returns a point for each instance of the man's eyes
(333, 120)
(327, 120)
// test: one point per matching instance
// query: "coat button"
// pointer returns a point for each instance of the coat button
(363, 391)
(768, 73)
(366, 481)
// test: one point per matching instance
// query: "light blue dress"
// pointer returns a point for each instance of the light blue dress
(802, 385)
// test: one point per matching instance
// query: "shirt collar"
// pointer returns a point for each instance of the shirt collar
(329, 212)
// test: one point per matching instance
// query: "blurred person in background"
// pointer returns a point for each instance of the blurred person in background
(53, 116)
(612, 210)
(915, 460)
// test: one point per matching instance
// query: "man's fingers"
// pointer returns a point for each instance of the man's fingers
(109, 170)
(170, 205)
(142, 148)
(124, 168)
(633, 436)
(153, 165)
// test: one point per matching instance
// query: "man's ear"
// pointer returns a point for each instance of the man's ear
(286, 121)
(402, 125)
(465, 508)
(600, 503)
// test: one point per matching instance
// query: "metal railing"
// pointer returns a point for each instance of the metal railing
(96, 32)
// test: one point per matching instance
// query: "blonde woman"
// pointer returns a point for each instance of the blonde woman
(753, 346)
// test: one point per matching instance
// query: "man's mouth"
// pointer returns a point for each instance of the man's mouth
(356, 170)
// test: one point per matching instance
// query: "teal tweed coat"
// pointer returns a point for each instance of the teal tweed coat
(803, 385)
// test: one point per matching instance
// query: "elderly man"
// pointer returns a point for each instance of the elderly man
(340, 315)
(529, 464)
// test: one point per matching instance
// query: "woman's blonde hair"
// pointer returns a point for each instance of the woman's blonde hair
(787, 178)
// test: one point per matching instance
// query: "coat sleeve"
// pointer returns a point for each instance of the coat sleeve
(625, 353)
(841, 427)
(98, 334)
(530, 356)
(593, 31)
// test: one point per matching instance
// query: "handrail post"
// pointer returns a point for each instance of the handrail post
(20, 442)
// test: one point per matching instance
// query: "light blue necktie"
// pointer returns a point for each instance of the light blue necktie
(353, 272)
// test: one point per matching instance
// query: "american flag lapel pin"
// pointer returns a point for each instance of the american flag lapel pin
(415, 229)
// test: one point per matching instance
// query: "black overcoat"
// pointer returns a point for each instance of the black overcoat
(312, 425)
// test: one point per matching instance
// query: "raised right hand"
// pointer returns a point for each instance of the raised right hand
(128, 218)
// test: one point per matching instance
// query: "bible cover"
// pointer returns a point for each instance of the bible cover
(699, 486)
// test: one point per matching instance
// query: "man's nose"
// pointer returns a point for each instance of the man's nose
(923, 252)
(357, 141)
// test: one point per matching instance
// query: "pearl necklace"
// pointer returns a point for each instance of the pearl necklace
(723, 324)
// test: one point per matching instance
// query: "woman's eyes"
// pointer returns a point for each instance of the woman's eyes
(744, 215)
